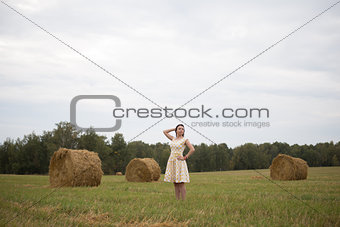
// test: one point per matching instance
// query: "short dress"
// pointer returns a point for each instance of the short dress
(176, 170)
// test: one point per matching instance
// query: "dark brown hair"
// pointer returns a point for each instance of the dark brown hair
(177, 127)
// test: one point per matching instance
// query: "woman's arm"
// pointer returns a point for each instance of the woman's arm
(166, 133)
(192, 150)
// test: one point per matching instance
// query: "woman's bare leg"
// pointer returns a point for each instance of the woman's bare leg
(177, 191)
(183, 190)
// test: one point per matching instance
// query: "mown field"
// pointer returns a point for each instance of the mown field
(231, 198)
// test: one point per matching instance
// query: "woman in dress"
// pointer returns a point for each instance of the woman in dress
(176, 168)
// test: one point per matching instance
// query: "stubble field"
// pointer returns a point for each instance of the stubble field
(231, 198)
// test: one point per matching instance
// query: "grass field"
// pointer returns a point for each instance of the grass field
(231, 198)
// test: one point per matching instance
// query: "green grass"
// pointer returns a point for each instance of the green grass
(231, 198)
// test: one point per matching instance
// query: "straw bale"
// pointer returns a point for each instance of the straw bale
(142, 170)
(72, 168)
(285, 167)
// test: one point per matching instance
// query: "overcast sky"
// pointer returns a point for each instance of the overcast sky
(170, 51)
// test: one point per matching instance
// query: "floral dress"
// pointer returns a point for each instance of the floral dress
(176, 170)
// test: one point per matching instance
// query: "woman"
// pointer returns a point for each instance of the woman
(177, 169)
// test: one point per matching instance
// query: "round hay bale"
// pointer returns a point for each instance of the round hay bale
(72, 168)
(285, 167)
(142, 170)
(119, 174)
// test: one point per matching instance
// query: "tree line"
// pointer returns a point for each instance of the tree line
(31, 155)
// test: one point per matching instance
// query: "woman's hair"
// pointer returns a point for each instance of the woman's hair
(177, 127)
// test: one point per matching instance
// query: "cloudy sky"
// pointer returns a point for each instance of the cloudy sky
(171, 51)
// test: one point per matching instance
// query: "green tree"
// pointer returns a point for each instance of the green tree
(65, 135)
(88, 140)
(119, 155)
(246, 157)
(7, 156)
(335, 161)
(117, 142)
(224, 156)
(34, 158)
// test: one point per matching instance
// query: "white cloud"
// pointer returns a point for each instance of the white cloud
(170, 52)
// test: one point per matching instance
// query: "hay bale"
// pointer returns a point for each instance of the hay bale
(142, 170)
(119, 174)
(285, 167)
(75, 168)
